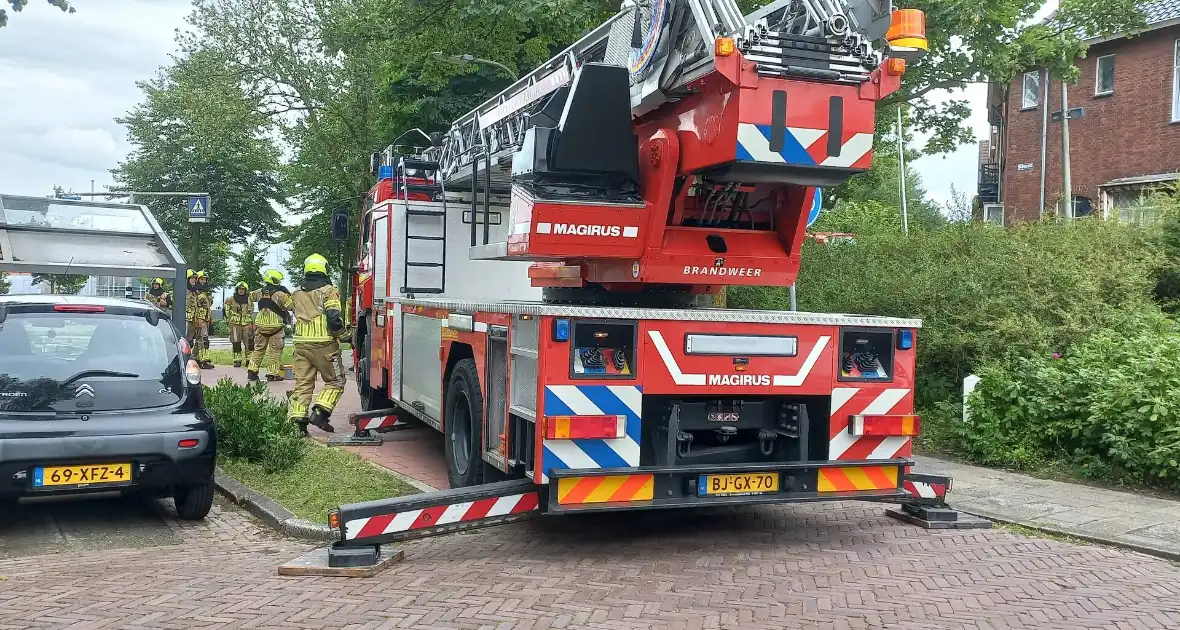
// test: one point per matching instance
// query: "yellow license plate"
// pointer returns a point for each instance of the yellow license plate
(90, 475)
(746, 483)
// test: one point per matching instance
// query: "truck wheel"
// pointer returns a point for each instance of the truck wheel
(464, 430)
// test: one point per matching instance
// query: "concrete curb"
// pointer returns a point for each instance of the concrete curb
(269, 510)
(1166, 554)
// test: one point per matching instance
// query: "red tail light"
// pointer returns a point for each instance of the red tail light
(79, 308)
(188, 443)
(183, 346)
(585, 427)
(888, 426)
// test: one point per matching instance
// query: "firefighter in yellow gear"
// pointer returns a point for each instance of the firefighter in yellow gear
(196, 317)
(319, 326)
(274, 306)
(203, 286)
(158, 295)
(239, 315)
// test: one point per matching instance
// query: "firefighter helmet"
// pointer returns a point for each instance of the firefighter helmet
(159, 281)
(315, 264)
(273, 276)
(241, 285)
(191, 273)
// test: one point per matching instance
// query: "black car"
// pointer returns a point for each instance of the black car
(100, 394)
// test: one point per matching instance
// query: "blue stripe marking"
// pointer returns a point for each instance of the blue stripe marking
(792, 152)
(610, 405)
(38, 477)
(596, 450)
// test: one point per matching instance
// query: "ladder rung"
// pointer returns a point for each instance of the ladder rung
(426, 238)
(423, 264)
(426, 213)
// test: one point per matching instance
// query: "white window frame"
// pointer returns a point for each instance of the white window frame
(1176, 82)
(1036, 100)
(1098, 91)
(993, 206)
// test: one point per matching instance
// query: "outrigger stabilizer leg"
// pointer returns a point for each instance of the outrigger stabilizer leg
(927, 506)
(368, 424)
(364, 527)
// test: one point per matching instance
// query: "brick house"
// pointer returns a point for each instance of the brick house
(1124, 142)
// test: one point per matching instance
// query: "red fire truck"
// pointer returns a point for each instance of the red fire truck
(528, 283)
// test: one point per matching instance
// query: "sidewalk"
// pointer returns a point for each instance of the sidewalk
(1144, 523)
(1140, 522)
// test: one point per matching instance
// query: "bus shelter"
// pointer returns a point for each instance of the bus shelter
(89, 238)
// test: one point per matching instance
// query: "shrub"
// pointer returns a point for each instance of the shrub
(1110, 406)
(253, 426)
(983, 293)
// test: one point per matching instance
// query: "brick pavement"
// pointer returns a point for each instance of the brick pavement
(797, 566)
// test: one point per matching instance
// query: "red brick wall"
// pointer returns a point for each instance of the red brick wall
(1126, 134)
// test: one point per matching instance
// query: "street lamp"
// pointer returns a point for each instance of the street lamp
(465, 59)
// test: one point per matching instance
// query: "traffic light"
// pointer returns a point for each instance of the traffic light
(340, 225)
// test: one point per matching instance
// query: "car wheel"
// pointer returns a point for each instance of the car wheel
(464, 427)
(194, 502)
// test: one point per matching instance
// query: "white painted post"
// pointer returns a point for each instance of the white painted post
(969, 384)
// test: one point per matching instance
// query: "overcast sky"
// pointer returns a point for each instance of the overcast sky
(64, 78)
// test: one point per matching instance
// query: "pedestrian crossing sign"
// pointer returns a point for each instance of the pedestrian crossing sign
(198, 209)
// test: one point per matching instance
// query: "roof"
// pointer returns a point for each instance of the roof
(39, 298)
(1141, 180)
(1158, 13)
(48, 235)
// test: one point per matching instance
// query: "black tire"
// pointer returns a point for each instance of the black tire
(194, 502)
(372, 398)
(464, 426)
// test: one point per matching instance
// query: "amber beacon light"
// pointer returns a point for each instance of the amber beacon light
(907, 35)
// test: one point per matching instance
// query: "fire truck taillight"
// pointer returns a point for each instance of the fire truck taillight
(585, 427)
(885, 426)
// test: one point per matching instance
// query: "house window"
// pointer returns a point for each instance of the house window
(1082, 206)
(1104, 76)
(1031, 93)
(993, 213)
(1132, 205)
(1176, 83)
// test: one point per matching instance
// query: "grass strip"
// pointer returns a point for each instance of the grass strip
(323, 479)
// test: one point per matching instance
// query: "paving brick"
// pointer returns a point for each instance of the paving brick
(807, 566)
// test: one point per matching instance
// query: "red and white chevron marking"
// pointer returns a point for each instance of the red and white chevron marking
(925, 490)
(851, 401)
(379, 422)
(435, 516)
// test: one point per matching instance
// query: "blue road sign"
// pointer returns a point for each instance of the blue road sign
(816, 206)
(198, 209)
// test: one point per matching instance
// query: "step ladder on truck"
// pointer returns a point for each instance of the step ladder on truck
(545, 321)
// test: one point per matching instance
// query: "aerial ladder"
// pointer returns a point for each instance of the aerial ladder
(671, 151)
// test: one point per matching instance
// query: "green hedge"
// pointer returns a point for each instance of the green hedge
(252, 425)
(1110, 407)
(984, 293)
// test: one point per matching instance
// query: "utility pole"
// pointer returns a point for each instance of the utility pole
(1066, 183)
(905, 214)
(1044, 143)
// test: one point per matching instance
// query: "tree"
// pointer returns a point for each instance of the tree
(5, 284)
(197, 131)
(248, 264)
(19, 5)
(60, 283)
